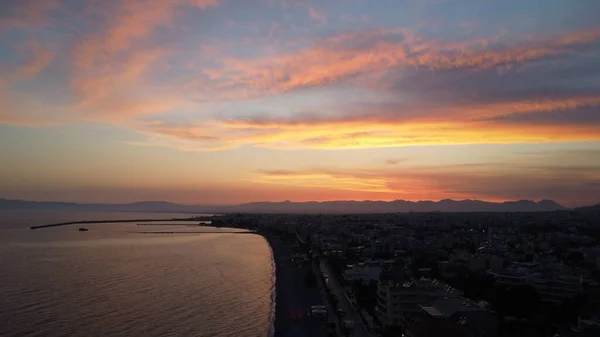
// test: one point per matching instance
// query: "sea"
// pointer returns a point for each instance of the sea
(123, 279)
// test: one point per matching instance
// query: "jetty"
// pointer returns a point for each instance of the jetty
(117, 221)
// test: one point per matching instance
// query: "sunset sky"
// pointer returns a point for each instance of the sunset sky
(231, 101)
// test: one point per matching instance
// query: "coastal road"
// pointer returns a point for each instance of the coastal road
(351, 317)
(333, 316)
(293, 297)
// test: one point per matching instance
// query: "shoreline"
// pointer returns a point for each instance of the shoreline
(277, 315)
(190, 232)
(273, 312)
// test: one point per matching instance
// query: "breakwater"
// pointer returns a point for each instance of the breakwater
(110, 221)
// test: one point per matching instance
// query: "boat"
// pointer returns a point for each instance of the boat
(81, 229)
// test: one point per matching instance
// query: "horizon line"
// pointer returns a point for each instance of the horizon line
(291, 201)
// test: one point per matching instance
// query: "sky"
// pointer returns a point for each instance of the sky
(233, 101)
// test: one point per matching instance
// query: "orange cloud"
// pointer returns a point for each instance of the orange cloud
(452, 125)
(207, 194)
(433, 126)
(133, 20)
(110, 80)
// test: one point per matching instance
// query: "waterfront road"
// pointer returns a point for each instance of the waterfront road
(351, 317)
(294, 297)
(333, 318)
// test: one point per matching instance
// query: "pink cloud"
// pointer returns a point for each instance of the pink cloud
(316, 14)
(40, 58)
(110, 79)
(131, 22)
(352, 55)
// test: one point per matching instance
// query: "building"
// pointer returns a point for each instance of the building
(552, 288)
(477, 320)
(509, 277)
(451, 316)
(365, 272)
(399, 297)
(433, 327)
(555, 289)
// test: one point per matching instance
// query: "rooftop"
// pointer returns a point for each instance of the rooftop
(448, 306)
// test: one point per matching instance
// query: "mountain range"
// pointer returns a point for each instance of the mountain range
(396, 206)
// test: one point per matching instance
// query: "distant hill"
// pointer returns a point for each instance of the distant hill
(144, 206)
(397, 206)
(589, 209)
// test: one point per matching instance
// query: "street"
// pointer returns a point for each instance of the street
(294, 297)
(351, 317)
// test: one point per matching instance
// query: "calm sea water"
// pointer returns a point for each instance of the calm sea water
(115, 281)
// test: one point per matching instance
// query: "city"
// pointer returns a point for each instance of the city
(449, 274)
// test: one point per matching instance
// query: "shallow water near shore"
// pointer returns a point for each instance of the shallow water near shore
(113, 280)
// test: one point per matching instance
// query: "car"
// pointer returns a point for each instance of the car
(318, 313)
(318, 310)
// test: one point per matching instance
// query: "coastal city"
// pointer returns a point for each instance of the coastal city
(300, 168)
(433, 274)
